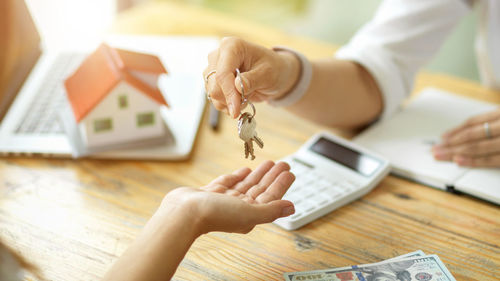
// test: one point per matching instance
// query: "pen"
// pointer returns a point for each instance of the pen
(213, 117)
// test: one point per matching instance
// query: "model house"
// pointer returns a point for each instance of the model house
(115, 99)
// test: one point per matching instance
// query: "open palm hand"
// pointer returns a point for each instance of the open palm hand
(237, 202)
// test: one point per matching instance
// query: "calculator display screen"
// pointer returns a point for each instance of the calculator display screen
(361, 163)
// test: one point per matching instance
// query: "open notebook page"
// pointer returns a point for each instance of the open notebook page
(406, 139)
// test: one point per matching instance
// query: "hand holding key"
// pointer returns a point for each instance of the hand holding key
(266, 74)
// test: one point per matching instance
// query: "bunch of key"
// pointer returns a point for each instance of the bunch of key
(247, 125)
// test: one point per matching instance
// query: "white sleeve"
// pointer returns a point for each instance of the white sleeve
(402, 36)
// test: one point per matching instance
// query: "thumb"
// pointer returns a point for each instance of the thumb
(251, 81)
(271, 211)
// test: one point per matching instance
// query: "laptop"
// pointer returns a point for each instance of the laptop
(407, 137)
(33, 93)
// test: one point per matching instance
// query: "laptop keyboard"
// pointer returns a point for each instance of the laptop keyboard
(42, 116)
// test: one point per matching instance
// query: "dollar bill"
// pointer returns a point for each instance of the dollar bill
(417, 253)
(416, 267)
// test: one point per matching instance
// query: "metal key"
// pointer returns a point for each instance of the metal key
(247, 133)
(247, 124)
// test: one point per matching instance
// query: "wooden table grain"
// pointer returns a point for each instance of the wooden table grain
(73, 218)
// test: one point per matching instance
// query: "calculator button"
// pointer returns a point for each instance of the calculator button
(319, 199)
(308, 207)
(348, 185)
(292, 197)
(321, 188)
(305, 206)
(334, 188)
(343, 187)
(333, 194)
(324, 182)
(299, 181)
(306, 193)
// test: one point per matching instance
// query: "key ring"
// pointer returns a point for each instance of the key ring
(243, 98)
(251, 116)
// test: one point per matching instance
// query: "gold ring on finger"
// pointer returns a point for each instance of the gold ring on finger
(208, 75)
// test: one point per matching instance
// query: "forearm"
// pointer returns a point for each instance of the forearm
(341, 94)
(157, 251)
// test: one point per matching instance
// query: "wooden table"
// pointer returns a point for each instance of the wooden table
(73, 218)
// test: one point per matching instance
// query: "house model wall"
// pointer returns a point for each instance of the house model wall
(124, 115)
(115, 99)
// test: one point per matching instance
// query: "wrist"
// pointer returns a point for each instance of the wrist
(290, 72)
(160, 247)
(300, 83)
(176, 217)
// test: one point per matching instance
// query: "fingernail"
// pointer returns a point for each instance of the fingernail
(437, 149)
(441, 149)
(439, 156)
(460, 160)
(287, 211)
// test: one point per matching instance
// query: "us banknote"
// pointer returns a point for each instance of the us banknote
(417, 253)
(413, 266)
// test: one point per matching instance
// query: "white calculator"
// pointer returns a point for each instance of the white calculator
(330, 172)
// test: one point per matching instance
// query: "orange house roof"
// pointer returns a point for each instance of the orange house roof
(103, 70)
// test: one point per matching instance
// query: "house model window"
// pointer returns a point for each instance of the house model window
(103, 125)
(145, 119)
(122, 102)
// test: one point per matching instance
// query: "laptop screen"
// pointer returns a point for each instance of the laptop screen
(19, 50)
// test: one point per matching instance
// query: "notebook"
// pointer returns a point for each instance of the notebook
(406, 140)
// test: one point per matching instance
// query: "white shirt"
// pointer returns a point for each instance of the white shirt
(405, 34)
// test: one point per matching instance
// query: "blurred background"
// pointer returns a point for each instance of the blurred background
(333, 21)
